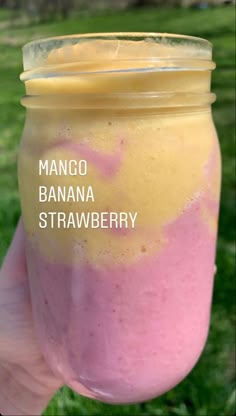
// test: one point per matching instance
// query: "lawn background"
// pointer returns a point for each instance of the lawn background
(209, 389)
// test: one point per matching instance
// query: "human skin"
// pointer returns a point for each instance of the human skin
(26, 382)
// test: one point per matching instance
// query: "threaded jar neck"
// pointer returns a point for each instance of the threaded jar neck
(118, 69)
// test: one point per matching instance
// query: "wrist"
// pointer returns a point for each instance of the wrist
(17, 397)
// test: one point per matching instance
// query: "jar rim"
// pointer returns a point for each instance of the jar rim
(35, 53)
(118, 34)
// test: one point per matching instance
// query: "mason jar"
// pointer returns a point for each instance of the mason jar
(119, 177)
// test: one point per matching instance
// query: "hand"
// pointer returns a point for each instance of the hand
(26, 382)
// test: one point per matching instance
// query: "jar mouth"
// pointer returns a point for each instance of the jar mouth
(134, 36)
(156, 49)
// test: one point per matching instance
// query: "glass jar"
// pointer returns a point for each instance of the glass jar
(119, 176)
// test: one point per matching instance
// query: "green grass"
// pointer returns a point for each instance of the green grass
(209, 389)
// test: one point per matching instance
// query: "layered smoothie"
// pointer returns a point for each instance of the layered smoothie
(121, 310)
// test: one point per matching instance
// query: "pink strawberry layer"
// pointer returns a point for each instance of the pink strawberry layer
(128, 333)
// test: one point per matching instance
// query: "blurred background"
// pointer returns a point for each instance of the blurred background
(210, 388)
